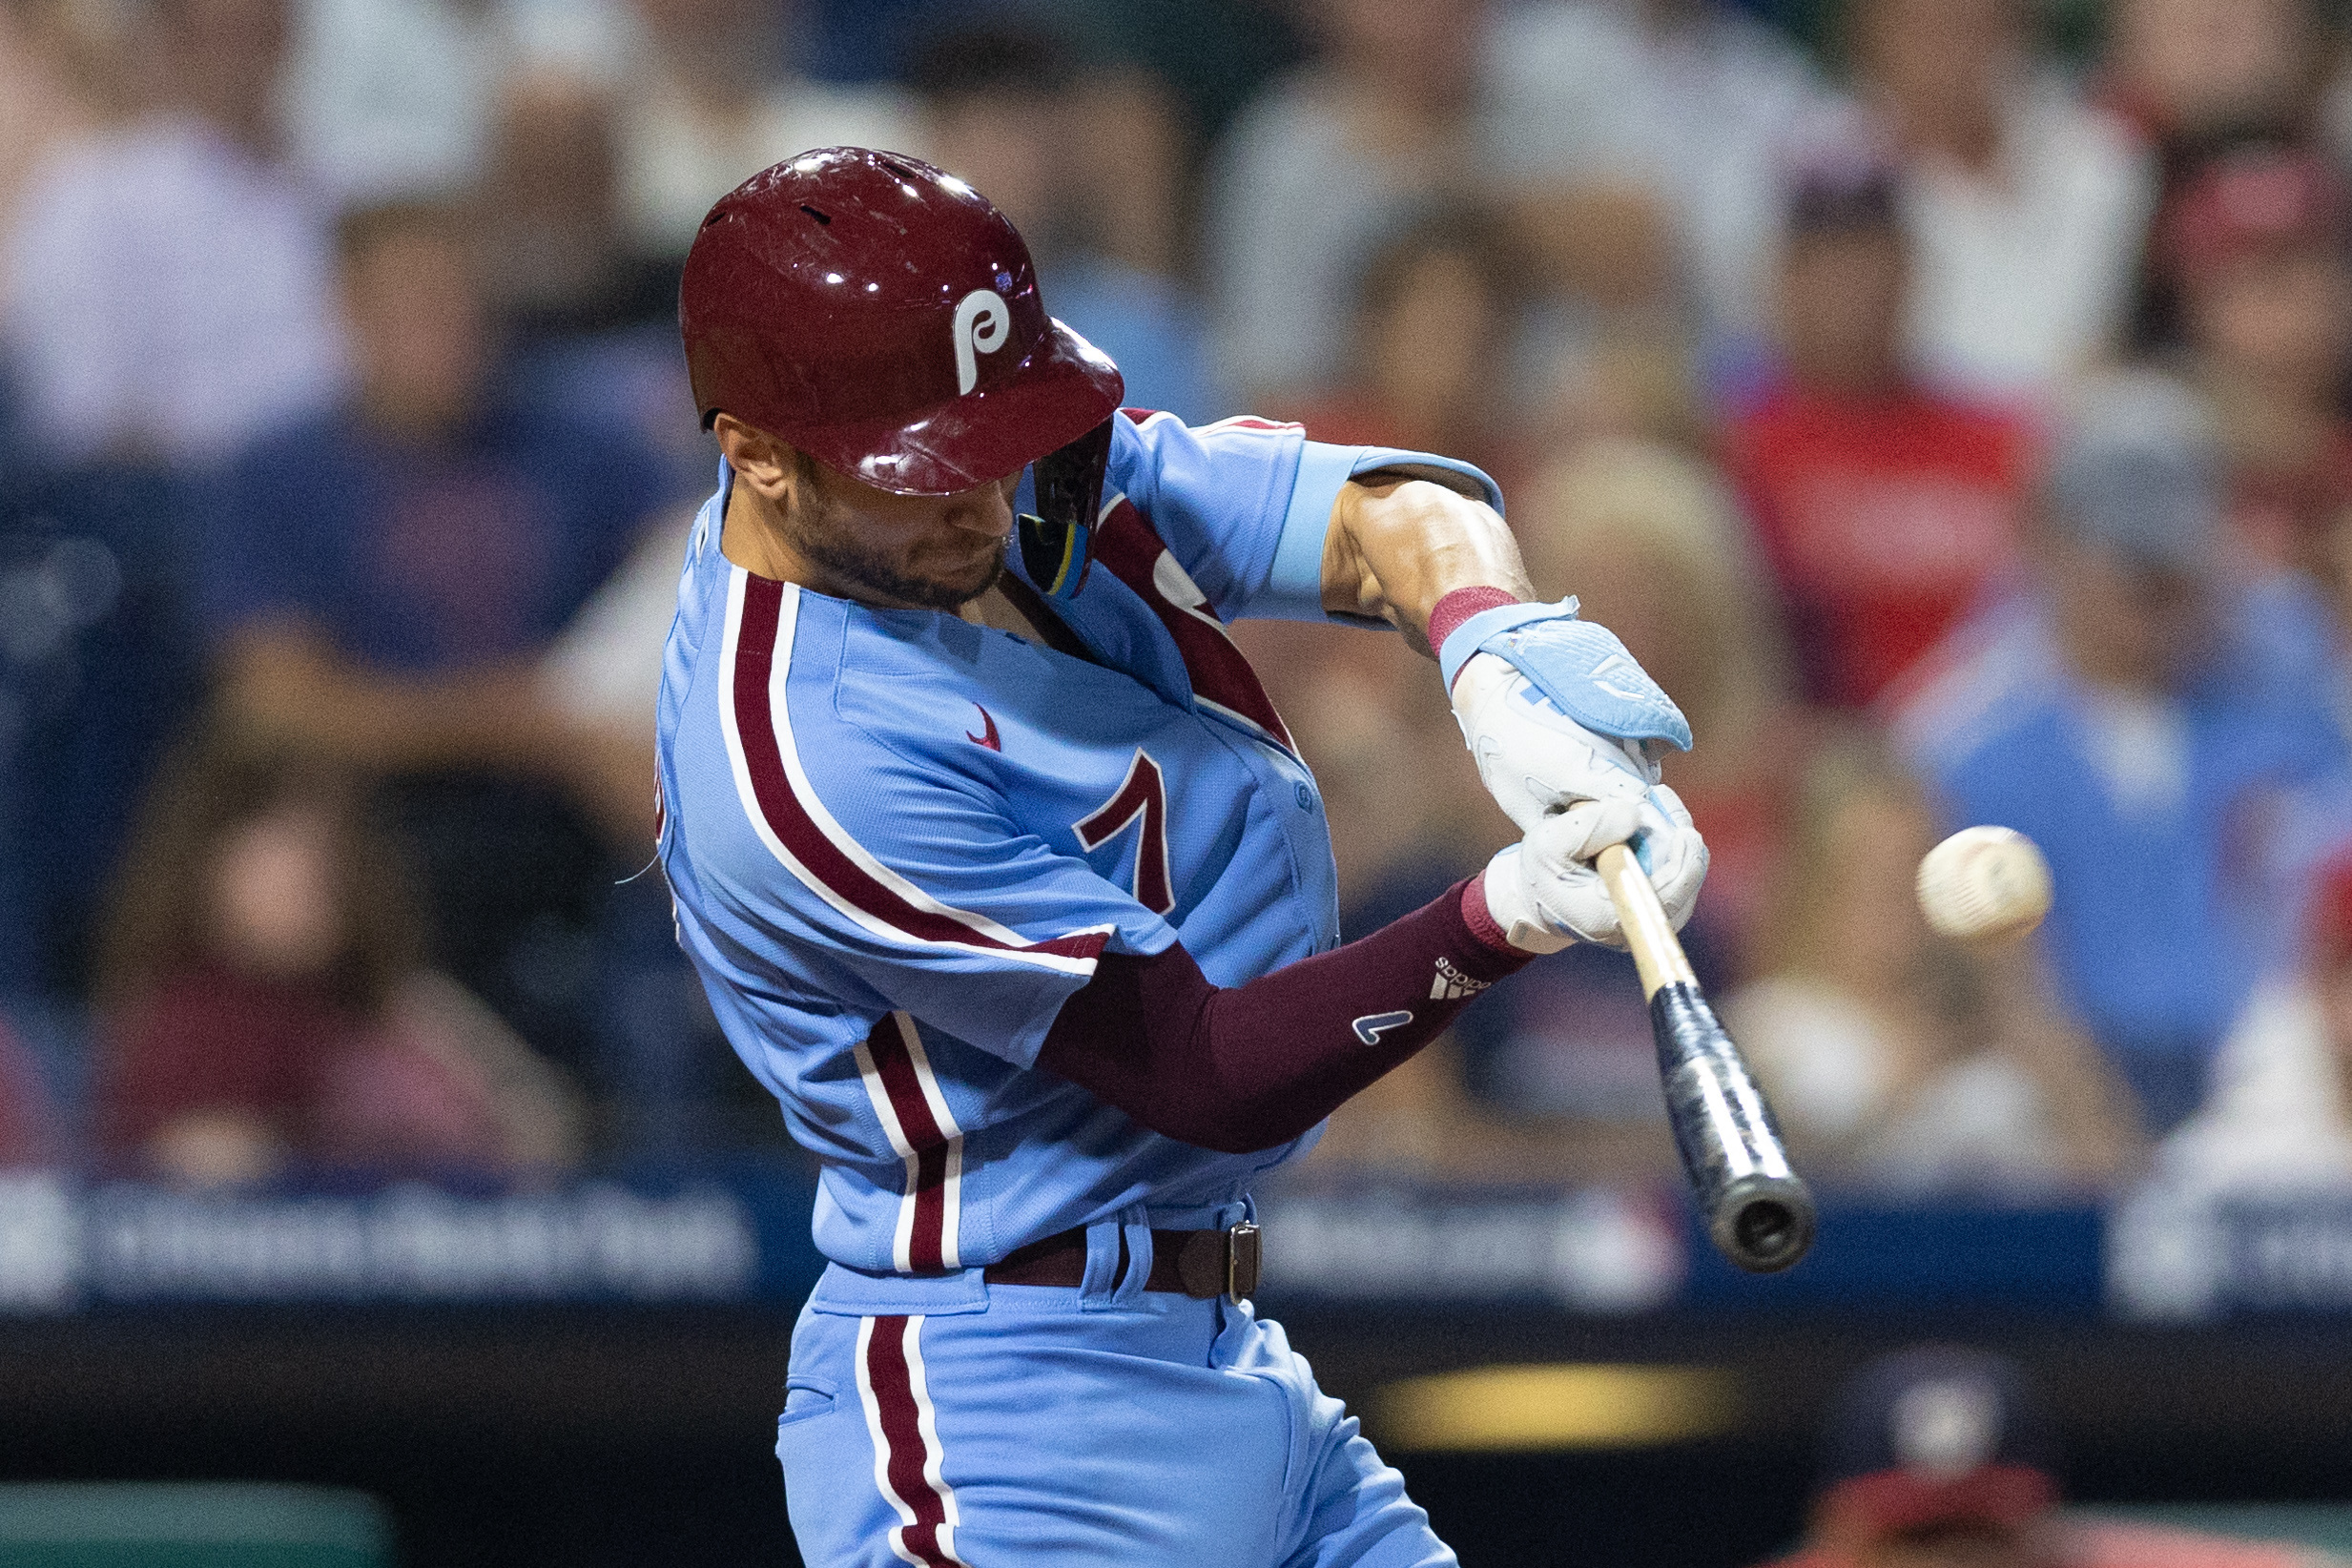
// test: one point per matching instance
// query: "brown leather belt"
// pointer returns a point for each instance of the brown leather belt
(1199, 1264)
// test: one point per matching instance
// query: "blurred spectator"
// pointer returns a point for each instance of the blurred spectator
(594, 327)
(1883, 506)
(1429, 358)
(28, 1121)
(1630, 382)
(1896, 1060)
(265, 997)
(1612, 135)
(1324, 163)
(380, 582)
(2256, 244)
(2026, 208)
(1634, 110)
(709, 103)
(2184, 72)
(170, 281)
(2280, 1111)
(2192, 77)
(1091, 178)
(1944, 1457)
(1215, 55)
(555, 256)
(51, 93)
(390, 100)
(2125, 712)
(100, 665)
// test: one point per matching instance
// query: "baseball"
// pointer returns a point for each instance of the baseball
(1984, 884)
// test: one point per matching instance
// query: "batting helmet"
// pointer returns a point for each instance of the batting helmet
(881, 315)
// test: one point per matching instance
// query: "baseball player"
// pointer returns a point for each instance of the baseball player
(1004, 876)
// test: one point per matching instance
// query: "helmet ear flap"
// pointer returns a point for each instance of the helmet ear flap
(1056, 542)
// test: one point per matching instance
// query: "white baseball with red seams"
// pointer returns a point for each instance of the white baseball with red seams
(1984, 884)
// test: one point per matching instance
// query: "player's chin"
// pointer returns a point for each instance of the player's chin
(954, 586)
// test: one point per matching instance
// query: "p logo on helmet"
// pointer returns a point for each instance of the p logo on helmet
(811, 309)
(982, 322)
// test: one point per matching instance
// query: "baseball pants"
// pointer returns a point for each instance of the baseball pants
(956, 1422)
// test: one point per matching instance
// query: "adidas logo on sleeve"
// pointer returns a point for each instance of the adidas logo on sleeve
(1451, 984)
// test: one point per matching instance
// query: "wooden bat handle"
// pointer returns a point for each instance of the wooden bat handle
(1656, 952)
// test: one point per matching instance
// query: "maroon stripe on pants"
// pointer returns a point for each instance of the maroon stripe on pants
(927, 1239)
(788, 818)
(894, 1401)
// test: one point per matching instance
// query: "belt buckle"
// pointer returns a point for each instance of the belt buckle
(1242, 1254)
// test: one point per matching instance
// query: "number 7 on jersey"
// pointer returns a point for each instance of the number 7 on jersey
(1142, 796)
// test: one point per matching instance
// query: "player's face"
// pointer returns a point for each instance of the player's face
(924, 551)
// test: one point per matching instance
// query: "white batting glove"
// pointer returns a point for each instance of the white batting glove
(1533, 758)
(1544, 892)
(1550, 774)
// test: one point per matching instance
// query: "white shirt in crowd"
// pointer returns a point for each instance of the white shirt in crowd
(1706, 113)
(169, 294)
(675, 160)
(1298, 210)
(1571, 90)
(389, 99)
(2022, 277)
(2275, 1118)
(396, 97)
(1976, 1124)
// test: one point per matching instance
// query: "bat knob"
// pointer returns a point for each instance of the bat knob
(1763, 1223)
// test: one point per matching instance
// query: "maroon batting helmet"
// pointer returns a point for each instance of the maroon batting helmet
(881, 315)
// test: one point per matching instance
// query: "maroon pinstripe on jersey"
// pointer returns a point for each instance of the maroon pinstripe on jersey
(815, 848)
(1130, 551)
(906, 1099)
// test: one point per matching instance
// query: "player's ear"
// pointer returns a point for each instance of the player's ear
(764, 463)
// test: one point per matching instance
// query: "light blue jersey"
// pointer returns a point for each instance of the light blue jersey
(897, 843)
(899, 840)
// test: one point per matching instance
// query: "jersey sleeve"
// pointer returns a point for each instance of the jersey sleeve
(1245, 504)
(872, 878)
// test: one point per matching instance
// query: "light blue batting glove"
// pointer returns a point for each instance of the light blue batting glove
(1578, 667)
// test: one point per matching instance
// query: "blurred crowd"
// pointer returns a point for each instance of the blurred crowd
(1947, 400)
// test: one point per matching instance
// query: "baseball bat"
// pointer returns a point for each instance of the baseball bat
(1759, 1212)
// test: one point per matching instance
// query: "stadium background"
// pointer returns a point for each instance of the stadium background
(362, 1129)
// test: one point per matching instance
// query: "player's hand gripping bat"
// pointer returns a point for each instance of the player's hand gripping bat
(1759, 1212)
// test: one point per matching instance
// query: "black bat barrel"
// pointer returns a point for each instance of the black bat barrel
(1758, 1211)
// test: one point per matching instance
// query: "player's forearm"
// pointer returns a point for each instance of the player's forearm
(1254, 1065)
(1397, 547)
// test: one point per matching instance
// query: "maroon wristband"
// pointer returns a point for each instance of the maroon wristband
(1460, 605)
(1481, 920)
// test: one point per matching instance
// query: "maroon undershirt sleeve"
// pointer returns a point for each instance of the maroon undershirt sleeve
(1255, 1065)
